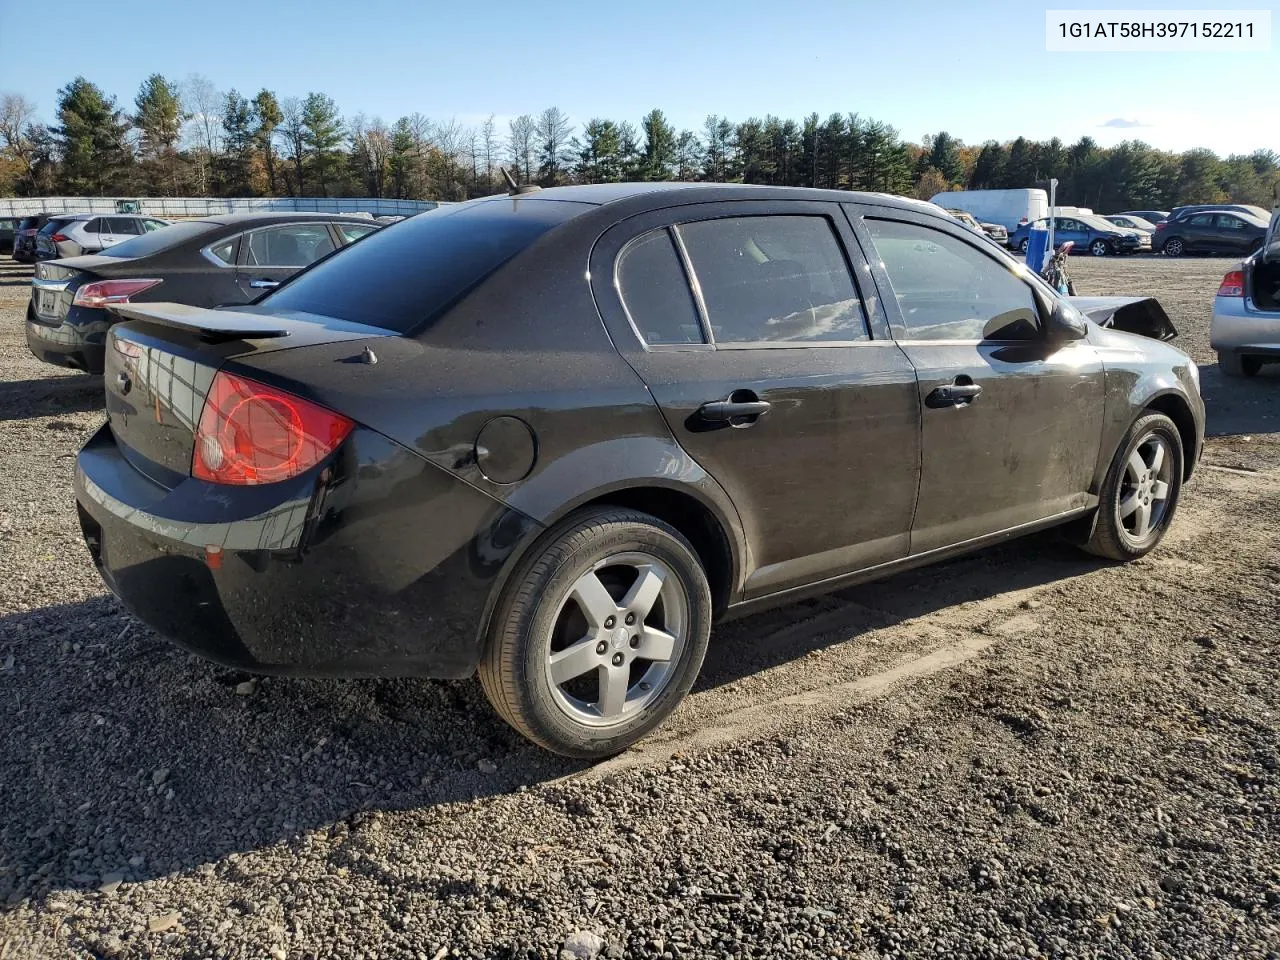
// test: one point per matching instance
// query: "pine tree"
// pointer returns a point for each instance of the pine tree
(91, 137)
(659, 156)
(323, 134)
(266, 111)
(988, 169)
(599, 152)
(238, 129)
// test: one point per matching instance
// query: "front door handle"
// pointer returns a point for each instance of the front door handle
(953, 395)
(264, 284)
(740, 409)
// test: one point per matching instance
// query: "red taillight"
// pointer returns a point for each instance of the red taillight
(250, 433)
(101, 292)
(1232, 284)
(59, 238)
(1161, 225)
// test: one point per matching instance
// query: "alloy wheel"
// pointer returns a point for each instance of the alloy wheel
(1098, 248)
(618, 636)
(1144, 488)
(1173, 248)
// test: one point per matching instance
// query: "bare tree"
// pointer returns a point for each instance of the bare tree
(553, 133)
(489, 144)
(202, 104)
(294, 131)
(520, 146)
(16, 113)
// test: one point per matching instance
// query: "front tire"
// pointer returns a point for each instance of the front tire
(1141, 490)
(600, 633)
(1099, 248)
(1023, 245)
(1236, 365)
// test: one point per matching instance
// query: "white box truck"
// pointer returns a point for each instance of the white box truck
(1009, 208)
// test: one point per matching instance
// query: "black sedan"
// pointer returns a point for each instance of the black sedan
(550, 438)
(219, 261)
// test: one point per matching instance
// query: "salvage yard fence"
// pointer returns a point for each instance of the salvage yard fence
(209, 206)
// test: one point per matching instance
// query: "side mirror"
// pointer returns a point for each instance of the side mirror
(1066, 323)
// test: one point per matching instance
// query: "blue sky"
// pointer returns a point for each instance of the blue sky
(976, 70)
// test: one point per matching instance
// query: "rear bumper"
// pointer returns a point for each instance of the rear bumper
(79, 340)
(375, 564)
(1239, 327)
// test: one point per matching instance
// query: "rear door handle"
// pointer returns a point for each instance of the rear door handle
(264, 284)
(953, 395)
(740, 409)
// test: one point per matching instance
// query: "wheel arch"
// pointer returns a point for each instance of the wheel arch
(714, 533)
(1174, 406)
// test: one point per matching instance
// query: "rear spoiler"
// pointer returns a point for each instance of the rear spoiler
(211, 325)
(1140, 315)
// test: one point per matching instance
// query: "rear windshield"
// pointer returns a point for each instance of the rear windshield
(408, 273)
(54, 225)
(162, 239)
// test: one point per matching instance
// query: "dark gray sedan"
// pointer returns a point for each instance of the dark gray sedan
(227, 260)
(550, 438)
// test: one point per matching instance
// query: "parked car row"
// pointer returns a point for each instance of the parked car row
(1087, 233)
(217, 261)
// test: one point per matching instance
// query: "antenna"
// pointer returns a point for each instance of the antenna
(514, 188)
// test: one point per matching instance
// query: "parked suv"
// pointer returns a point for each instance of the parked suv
(81, 233)
(24, 237)
(551, 438)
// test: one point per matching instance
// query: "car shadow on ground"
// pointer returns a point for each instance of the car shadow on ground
(1236, 406)
(126, 755)
(50, 396)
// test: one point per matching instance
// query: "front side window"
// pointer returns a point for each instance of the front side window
(124, 225)
(654, 289)
(774, 279)
(949, 290)
(296, 245)
(1228, 222)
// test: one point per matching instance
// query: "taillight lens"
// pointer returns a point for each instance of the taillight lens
(101, 292)
(1161, 225)
(59, 238)
(1232, 284)
(250, 433)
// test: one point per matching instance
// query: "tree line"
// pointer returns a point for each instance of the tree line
(190, 139)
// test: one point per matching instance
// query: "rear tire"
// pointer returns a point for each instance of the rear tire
(1174, 247)
(565, 663)
(1236, 365)
(1141, 490)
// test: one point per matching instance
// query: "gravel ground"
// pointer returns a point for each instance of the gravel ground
(1027, 753)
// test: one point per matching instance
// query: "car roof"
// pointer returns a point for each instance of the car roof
(660, 192)
(276, 216)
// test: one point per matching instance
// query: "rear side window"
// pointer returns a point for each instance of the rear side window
(1201, 220)
(150, 225)
(654, 290)
(774, 279)
(94, 225)
(150, 243)
(403, 278)
(352, 232)
(226, 251)
(949, 290)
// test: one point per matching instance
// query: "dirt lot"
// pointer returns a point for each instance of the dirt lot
(1027, 753)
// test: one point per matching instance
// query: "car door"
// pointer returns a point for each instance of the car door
(1232, 233)
(1198, 232)
(776, 373)
(271, 255)
(1068, 228)
(1010, 422)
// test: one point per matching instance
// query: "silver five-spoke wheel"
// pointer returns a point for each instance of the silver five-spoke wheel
(616, 636)
(1144, 493)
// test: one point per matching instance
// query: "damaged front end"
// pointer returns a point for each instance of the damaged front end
(1141, 315)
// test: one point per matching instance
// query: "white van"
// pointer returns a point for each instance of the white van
(1009, 208)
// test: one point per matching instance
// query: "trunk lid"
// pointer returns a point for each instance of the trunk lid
(160, 365)
(53, 288)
